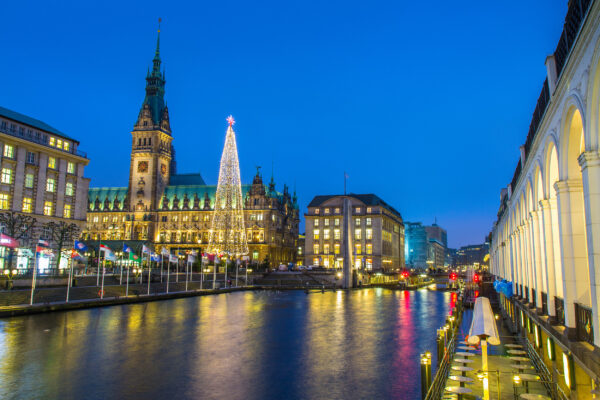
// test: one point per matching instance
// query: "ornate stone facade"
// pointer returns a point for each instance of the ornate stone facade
(175, 210)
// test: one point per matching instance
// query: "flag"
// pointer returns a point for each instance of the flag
(145, 249)
(80, 246)
(127, 249)
(194, 253)
(173, 258)
(109, 255)
(26, 252)
(104, 247)
(7, 241)
(154, 257)
(75, 254)
(134, 257)
(164, 251)
(43, 243)
(191, 258)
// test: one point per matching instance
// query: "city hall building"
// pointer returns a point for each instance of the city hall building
(377, 233)
(175, 211)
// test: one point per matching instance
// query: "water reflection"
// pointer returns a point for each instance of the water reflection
(251, 345)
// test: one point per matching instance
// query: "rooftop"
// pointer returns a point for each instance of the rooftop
(369, 199)
(34, 123)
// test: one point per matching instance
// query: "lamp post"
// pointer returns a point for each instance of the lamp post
(9, 276)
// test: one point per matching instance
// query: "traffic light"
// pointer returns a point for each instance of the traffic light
(476, 278)
(453, 276)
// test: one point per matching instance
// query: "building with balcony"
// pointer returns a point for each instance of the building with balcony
(377, 233)
(41, 175)
(546, 240)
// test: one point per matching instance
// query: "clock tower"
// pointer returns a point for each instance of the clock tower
(151, 147)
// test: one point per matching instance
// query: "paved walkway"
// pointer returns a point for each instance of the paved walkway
(500, 365)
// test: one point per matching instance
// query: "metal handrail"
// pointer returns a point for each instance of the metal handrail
(543, 371)
(439, 382)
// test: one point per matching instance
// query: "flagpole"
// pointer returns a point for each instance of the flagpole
(225, 276)
(70, 274)
(201, 271)
(237, 267)
(168, 271)
(149, 260)
(98, 269)
(33, 278)
(215, 272)
(102, 288)
(127, 285)
(162, 263)
(246, 273)
(121, 276)
(177, 270)
(186, 274)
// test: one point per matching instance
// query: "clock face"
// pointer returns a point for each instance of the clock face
(163, 169)
(143, 166)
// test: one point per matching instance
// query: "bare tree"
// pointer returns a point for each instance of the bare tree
(62, 233)
(18, 226)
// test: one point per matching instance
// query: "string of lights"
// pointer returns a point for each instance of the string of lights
(228, 234)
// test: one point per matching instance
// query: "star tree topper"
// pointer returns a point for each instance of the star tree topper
(230, 120)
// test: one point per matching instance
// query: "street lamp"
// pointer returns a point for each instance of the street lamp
(9, 276)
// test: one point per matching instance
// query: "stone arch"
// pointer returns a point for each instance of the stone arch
(550, 166)
(572, 139)
(539, 192)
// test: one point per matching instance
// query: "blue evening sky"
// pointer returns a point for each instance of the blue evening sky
(422, 103)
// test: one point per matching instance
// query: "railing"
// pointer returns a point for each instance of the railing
(534, 298)
(436, 390)
(543, 372)
(544, 303)
(42, 139)
(559, 306)
(526, 289)
(583, 323)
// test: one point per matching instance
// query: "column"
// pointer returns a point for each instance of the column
(590, 176)
(576, 287)
(548, 244)
(531, 262)
(540, 265)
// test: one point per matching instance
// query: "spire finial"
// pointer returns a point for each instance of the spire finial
(158, 39)
(230, 120)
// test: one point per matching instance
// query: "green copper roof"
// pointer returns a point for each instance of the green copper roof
(107, 193)
(34, 123)
(186, 179)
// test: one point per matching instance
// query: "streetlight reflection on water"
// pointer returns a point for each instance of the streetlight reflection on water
(247, 345)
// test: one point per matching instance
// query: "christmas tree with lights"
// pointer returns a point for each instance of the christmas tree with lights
(227, 234)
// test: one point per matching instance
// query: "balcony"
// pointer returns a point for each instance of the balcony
(559, 306)
(583, 323)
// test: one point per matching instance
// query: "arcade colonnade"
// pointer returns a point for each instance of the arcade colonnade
(546, 240)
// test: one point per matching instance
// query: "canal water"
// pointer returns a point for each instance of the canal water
(361, 344)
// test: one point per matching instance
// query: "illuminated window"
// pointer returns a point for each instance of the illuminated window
(9, 151)
(369, 210)
(185, 218)
(336, 222)
(326, 234)
(52, 162)
(48, 208)
(357, 210)
(316, 249)
(70, 168)
(357, 232)
(368, 221)
(326, 248)
(369, 248)
(337, 210)
(369, 263)
(336, 234)
(326, 221)
(69, 189)
(369, 234)
(51, 185)
(59, 143)
(316, 261)
(358, 248)
(95, 218)
(52, 141)
(326, 262)
(66, 146)
(29, 180)
(3, 201)
(27, 203)
(357, 221)
(7, 175)
(299, 250)
(67, 211)
(316, 223)
(175, 218)
(336, 248)
(316, 234)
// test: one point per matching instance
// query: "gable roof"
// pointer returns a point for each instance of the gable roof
(369, 199)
